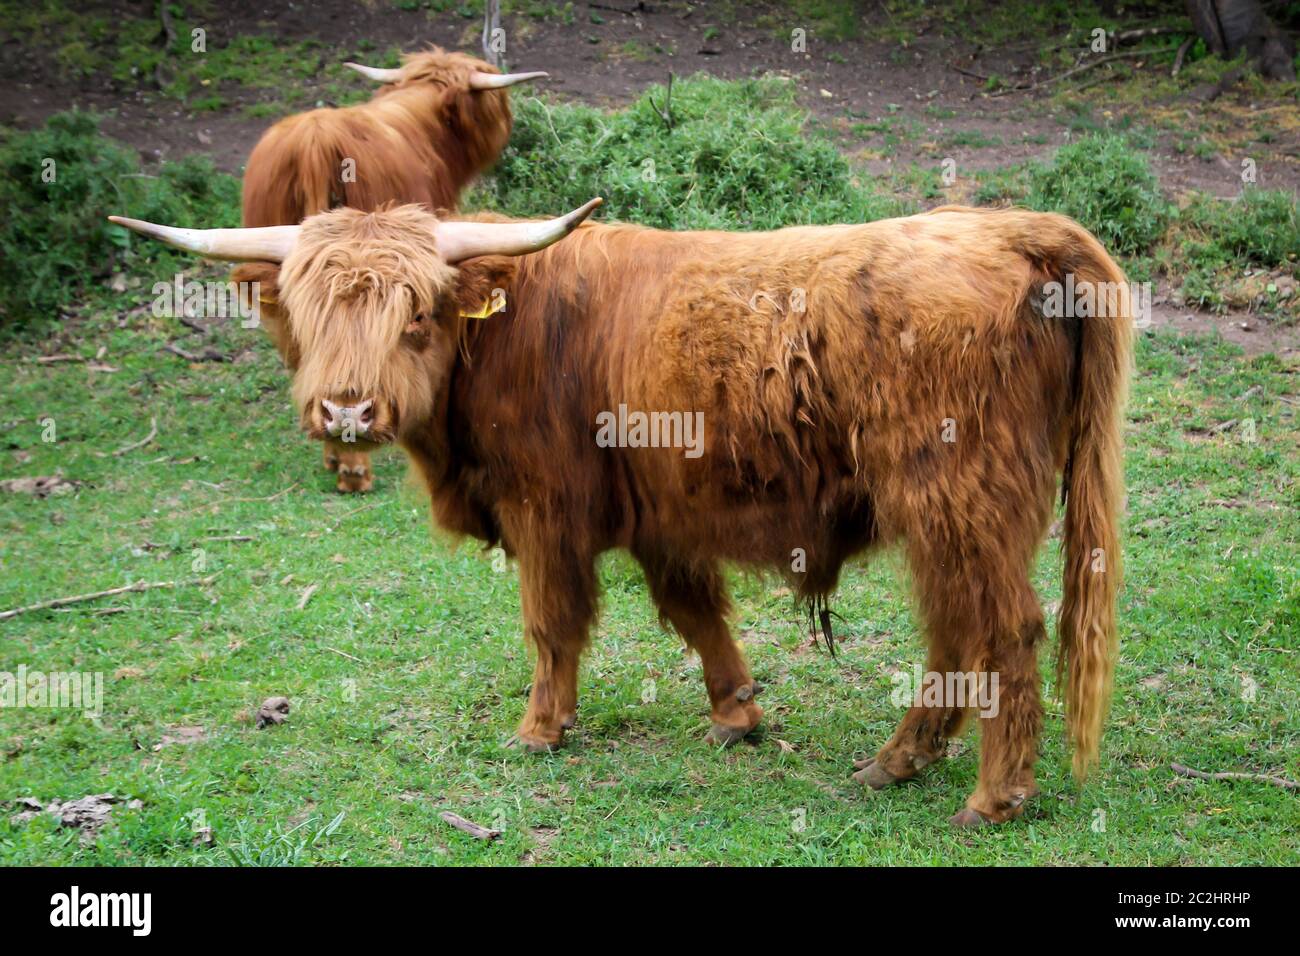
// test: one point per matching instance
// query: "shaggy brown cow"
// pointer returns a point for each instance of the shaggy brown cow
(900, 381)
(438, 121)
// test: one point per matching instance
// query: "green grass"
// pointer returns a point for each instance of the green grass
(1106, 182)
(127, 49)
(407, 671)
(1214, 238)
(1108, 186)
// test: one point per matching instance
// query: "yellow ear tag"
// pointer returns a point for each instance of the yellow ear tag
(484, 311)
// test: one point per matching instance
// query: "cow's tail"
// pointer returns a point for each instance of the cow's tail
(1093, 486)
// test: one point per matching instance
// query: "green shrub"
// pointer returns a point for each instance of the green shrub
(1259, 229)
(54, 237)
(1108, 186)
(739, 155)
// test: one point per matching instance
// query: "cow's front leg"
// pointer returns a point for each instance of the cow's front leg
(694, 601)
(558, 593)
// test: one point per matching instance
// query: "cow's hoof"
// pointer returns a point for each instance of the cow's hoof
(872, 773)
(735, 717)
(723, 735)
(531, 744)
(967, 819)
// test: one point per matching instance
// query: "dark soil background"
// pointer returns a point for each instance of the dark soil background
(919, 79)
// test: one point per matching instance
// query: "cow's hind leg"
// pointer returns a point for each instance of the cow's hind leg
(980, 602)
(984, 625)
(1009, 728)
(558, 593)
(694, 601)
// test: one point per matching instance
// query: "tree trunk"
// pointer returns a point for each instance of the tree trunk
(1229, 26)
(491, 24)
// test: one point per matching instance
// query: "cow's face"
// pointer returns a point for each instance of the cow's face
(363, 298)
(375, 312)
(469, 99)
(374, 303)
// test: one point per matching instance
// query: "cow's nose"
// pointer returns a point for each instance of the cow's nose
(348, 421)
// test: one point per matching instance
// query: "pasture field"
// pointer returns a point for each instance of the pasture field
(400, 649)
(406, 669)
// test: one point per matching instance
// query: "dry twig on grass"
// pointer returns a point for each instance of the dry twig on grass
(469, 826)
(153, 432)
(307, 592)
(208, 354)
(94, 595)
(1282, 782)
(1074, 71)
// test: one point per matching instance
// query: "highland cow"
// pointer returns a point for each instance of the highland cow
(893, 383)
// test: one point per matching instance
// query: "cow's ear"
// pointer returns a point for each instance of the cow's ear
(270, 316)
(267, 277)
(482, 284)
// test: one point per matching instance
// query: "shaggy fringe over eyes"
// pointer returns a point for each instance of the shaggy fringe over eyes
(351, 285)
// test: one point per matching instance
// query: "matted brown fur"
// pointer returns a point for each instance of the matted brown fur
(825, 431)
(422, 139)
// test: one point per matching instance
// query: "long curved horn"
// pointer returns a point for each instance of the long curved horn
(263, 243)
(458, 241)
(376, 73)
(499, 81)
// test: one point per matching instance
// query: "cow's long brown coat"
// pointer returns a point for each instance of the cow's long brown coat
(824, 431)
(421, 140)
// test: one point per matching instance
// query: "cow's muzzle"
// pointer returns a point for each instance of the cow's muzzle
(348, 422)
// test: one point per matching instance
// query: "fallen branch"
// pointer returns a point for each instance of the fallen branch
(95, 595)
(194, 324)
(228, 537)
(153, 432)
(1082, 67)
(469, 826)
(1147, 32)
(640, 6)
(971, 73)
(208, 354)
(1282, 782)
(61, 357)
